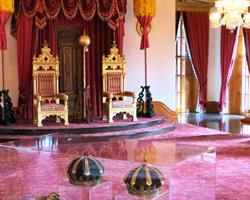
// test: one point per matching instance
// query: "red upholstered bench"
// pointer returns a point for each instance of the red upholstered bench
(245, 120)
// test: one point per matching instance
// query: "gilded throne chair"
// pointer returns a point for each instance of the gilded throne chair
(47, 99)
(115, 99)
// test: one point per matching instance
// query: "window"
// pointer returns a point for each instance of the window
(181, 50)
(245, 100)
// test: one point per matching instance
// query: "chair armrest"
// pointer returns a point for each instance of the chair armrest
(108, 95)
(129, 94)
(62, 96)
(37, 97)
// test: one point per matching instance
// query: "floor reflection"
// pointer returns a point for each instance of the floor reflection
(146, 151)
(222, 122)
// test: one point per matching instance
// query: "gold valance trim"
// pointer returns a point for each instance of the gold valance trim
(193, 7)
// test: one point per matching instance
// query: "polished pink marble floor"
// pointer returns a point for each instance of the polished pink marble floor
(36, 166)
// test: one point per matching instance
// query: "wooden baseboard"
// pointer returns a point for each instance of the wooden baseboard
(212, 107)
(165, 111)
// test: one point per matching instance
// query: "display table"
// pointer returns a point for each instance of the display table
(40, 167)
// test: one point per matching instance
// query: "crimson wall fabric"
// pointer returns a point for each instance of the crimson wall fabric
(98, 47)
(197, 33)
(227, 55)
(26, 37)
(3, 20)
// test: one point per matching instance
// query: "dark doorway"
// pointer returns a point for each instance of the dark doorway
(71, 67)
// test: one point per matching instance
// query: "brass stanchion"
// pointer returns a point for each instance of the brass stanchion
(144, 11)
(84, 41)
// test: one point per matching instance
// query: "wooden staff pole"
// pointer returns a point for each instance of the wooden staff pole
(3, 70)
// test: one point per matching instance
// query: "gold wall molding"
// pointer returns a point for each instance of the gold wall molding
(194, 7)
(164, 110)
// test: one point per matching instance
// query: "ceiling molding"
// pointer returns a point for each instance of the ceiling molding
(194, 7)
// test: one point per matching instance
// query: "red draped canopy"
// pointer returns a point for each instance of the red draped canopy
(42, 10)
(37, 20)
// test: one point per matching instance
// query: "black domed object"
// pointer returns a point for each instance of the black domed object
(144, 180)
(85, 171)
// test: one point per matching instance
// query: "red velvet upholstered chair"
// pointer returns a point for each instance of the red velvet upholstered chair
(115, 99)
(245, 120)
(47, 99)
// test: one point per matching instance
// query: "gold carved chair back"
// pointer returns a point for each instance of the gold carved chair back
(47, 99)
(114, 94)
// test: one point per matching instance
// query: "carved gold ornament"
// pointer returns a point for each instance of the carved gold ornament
(139, 28)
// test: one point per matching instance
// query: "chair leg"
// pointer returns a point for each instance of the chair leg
(39, 121)
(35, 118)
(135, 117)
(124, 115)
(104, 116)
(66, 119)
(110, 117)
(58, 119)
(242, 127)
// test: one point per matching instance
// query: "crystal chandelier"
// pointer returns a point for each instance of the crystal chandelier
(231, 13)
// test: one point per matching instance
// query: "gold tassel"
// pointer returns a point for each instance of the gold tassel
(144, 8)
(7, 5)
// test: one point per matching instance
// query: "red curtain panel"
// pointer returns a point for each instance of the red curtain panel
(197, 32)
(26, 38)
(3, 20)
(227, 55)
(177, 20)
(246, 32)
(106, 10)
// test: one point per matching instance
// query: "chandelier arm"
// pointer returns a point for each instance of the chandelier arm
(231, 13)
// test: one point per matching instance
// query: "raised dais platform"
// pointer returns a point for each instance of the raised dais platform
(124, 128)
